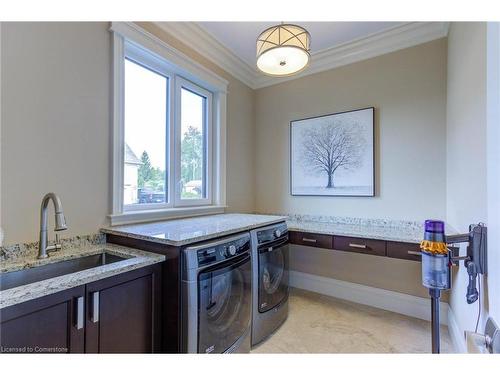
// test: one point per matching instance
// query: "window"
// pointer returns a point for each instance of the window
(169, 134)
(146, 144)
(152, 178)
(194, 139)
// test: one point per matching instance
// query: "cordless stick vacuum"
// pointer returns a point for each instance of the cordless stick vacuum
(437, 259)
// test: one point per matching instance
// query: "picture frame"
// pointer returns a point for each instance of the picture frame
(333, 155)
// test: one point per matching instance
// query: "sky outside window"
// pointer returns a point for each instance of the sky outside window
(145, 133)
(193, 161)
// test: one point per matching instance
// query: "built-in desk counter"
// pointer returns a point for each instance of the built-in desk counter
(331, 256)
(394, 239)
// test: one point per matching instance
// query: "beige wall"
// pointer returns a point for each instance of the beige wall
(408, 90)
(398, 275)
(56, 126)
(466, 146)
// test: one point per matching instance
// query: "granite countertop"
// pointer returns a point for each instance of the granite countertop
(135, 259)
(186, 231)
(401, 231)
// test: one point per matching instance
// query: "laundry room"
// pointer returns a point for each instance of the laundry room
(266, 186)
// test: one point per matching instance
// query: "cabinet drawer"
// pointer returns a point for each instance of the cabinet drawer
(359, 245)
(311, 239)
(402, 250)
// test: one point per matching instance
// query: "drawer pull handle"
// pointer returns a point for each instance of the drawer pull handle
(312, 240)
(357, 246)
(79, 313)
(95, 307)
(410, 252)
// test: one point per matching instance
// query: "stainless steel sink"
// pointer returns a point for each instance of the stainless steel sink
(30, 275)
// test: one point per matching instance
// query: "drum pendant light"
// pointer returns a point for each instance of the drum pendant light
(283, 50)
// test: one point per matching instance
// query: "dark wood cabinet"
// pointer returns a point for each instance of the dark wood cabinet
(311, 239)
(123, 313)
(392, 249)
(359, 245)
(170, 315)
(119, 314)
(51, 324)
(403, 250)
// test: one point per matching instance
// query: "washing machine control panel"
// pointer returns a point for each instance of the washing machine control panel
(223, 250)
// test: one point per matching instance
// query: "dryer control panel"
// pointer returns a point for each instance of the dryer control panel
(272, 234)
(223, 250)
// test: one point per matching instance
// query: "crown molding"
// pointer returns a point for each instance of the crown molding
(386, 41)
(194, 36)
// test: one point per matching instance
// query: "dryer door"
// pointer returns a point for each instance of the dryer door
(224, 300)
(273, 274)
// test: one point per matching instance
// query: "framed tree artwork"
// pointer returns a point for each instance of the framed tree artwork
(333, 155)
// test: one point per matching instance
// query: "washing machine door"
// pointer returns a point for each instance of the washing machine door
(273, 274)
(224, 300)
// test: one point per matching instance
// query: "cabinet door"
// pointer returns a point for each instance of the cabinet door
(123, 313)
(51, 324)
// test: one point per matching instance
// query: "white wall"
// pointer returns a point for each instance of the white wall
(56, 126)
(466, 145)
(493, 166)
(408, 90)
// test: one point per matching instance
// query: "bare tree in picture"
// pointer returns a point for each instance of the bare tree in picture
(328, 147)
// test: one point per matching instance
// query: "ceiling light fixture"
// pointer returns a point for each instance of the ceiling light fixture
(283, 50)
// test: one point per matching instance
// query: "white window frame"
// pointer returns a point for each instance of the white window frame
(181, 83)
(148, 61)
(132, 41)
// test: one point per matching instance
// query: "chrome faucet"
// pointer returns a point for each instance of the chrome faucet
(43, 248)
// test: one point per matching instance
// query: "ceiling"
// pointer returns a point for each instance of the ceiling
(240, 37)
(231, 45)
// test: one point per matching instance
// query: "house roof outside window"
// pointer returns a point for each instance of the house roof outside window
(131, 157)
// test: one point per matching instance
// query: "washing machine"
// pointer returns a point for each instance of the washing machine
(217, 296)
(270, 274)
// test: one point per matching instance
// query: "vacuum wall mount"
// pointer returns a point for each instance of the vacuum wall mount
(439, 254)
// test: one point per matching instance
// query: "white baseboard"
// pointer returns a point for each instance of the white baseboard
(401, 303)
(456, 334)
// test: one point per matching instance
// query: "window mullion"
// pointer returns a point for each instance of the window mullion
(178, 138)
(169, 141)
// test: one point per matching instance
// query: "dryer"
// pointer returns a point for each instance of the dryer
(270, 274)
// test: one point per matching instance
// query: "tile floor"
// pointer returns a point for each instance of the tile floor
(322, 324)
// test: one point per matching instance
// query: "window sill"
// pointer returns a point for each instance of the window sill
(132, 217)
